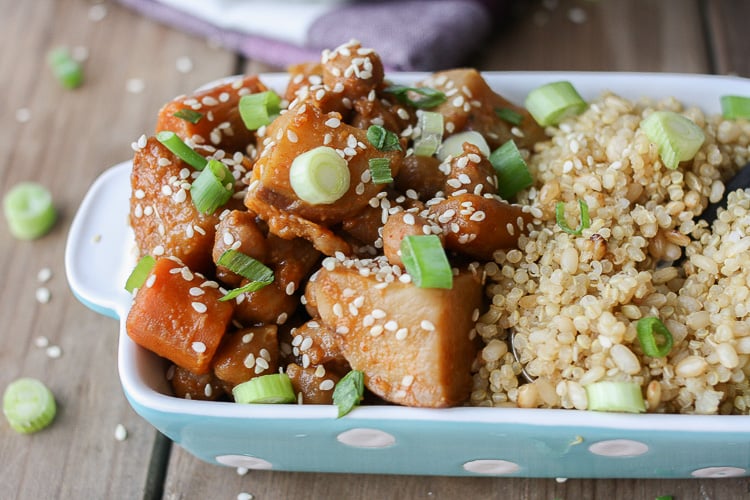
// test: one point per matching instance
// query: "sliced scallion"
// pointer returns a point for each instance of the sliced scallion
(28, 405)
(552, 103)
(380, 170)
(258, 274)
(509, 115)
(511, 169)
(615, 396)
(655, 339)
(383, 139)
(677, 137)
(67, 70)
(259, 109)
(175, 144)
(275, 388)
(735, 106)
(563, 224)
(319, 176)
(212, 188)
(29, 210)
(431, 133)
(349, 391)
(189, 115)
(428, 97)
(425, 260)
(454, 145)
(139, 273)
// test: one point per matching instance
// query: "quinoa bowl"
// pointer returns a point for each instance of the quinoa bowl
(554, 284)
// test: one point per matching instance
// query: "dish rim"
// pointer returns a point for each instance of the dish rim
(131, 358)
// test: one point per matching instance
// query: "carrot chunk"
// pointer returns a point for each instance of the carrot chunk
(177, 315)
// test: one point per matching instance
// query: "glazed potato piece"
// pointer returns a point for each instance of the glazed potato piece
(398, 226)
(246, 353)
(372, 110)
(220, 124)
(177, 314)
(469, 172)
(472, 105)
(352, 71)
(315, 344)
(298, 131)
(188, 385)
(420, 174)
(168, 224)
(238, 230)
(301, 77)
(478, 225)
(413, 344)
(314, 385)
(291, 261)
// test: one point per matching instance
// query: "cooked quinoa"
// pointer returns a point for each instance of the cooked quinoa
(573, 301)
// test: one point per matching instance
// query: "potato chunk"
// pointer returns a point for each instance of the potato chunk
(413, 344)
(220, 124)
(162, 214)
(473, 105)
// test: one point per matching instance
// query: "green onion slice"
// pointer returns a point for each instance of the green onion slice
(380, 170)
(429, 97)
(562, 223)
(735, 106)
(676, 136)
(252, 270)
(349, 391)
(259, 109)
(67, 70)
(511, 169)
(509, 115)
(174, 143)
(212, 188)
(28, 405)
(454, 145)
(140, 272)
(552, 103)
(275, 388)
(656, 340)
(189, 115)
(425, 260)
(383, 139)
(29, 210)
(319, 176)
(431, 133)
(615, 396)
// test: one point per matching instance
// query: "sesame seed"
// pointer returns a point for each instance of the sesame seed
(199, 307)
(427, 325)
(208, 390)
(332, 122)
(327, 385)
(184, 64)
(320, 371)
(23, 115)
(407, 380)
(261, 365)
(53, 351)
(376, 330)
(135, 85)
(150, 281)
(391, 326)
(198, 347)
(43, 295)
(41, 341)
(291, 135)
(121, 433)
(247, 338)
(402, 333)
(378, 313)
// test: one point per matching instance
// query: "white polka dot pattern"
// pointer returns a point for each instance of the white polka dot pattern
(491, 467)
(245, 461)
(366, 438)
(618, 448)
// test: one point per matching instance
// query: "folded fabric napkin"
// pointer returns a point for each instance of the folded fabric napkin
(411, 35)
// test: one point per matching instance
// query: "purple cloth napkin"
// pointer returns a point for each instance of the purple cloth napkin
(414, 35)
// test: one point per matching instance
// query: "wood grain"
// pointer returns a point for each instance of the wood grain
(73, 136)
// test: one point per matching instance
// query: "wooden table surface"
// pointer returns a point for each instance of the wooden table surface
(64, 139)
